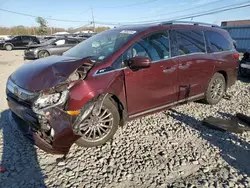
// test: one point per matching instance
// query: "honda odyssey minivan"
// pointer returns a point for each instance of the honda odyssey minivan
(118, 75)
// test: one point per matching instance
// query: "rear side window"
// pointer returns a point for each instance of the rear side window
(26, 38)
(190, 41)
(217, 42)
(71, 41)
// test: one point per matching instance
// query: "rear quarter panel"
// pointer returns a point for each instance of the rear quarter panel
(227, 63)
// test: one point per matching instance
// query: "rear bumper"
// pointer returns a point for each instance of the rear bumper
(28, 123)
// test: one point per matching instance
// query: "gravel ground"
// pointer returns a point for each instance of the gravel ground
(167, 149)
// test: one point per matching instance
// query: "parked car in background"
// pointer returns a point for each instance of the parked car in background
(118, 75)
(18, 42)
(54, 46)
(46, 38)
(244, 68)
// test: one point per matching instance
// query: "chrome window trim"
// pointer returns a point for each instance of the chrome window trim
(158, 61)
(165, 106)
(98, 74)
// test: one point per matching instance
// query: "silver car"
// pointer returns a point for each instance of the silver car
(56, 46)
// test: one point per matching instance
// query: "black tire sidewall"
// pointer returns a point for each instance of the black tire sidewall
(208, 98)
(116, 119)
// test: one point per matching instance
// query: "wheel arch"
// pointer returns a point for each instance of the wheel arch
(92, 96)
(8, 44)
(224, 73)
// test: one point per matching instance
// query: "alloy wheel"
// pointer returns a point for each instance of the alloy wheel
(217, 89)
(96, 126)
(43, 54)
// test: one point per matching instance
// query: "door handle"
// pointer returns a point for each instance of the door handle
(170, 69)
(184, 65)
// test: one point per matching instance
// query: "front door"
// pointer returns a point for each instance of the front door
(195, 66)
(155, 87)
(17, 41)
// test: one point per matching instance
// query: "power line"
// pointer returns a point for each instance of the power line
(33, 16)
(215, 11)
(200, 6)
(209, 12)
(199, 14)
(129, 5)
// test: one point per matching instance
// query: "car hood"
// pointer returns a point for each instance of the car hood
(36, 45)
(47, 72)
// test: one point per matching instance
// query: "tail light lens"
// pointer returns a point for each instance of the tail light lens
(236, 56)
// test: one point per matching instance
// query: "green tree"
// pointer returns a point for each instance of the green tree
(43, 26)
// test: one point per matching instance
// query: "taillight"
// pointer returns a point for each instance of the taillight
(236, 56)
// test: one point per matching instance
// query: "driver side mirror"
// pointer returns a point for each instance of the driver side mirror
(137, 63)
(54, 44)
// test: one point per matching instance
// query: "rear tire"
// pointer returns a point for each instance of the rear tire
(8, 47)
(109, 127)
(216, 89)
(43, 54)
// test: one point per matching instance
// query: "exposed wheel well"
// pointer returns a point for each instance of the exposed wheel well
(225, 76)
(121, 109)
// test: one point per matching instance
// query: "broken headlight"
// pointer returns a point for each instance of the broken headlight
(50, 100)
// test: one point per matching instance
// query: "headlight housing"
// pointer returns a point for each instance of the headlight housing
(46, 101)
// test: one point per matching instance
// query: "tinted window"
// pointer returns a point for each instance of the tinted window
(218, 42)
(156, 46)
(190, 42)
(16, 39)
(25, 38)
(72, 41)
(34, 39)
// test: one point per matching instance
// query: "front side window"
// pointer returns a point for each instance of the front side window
(156, 47)
(217, 42)
(16, 38)
(190, 41)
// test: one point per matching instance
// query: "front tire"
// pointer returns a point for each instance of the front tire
(96, 130)
(43, 54)
(8, 47)
(216, 89)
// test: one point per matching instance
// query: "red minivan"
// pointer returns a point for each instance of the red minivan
(117, 75)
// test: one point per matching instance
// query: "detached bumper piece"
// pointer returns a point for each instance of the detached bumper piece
(237, 124)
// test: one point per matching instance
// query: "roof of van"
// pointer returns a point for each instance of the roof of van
(142, 27)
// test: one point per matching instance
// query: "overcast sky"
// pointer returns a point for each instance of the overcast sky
(113, 11)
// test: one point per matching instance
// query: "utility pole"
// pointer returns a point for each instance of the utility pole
(93, 19)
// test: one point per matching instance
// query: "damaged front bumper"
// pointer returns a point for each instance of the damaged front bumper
(50, 127)
(55, 137)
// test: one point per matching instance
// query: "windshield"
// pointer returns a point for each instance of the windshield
(102, 45)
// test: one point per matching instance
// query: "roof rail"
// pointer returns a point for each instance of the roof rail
(188, 22)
